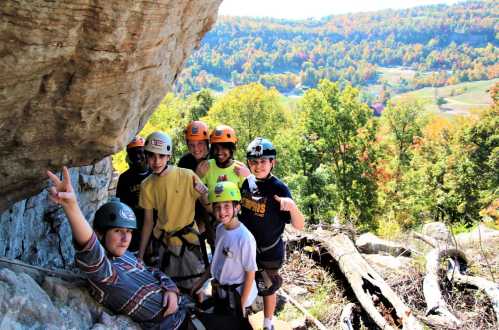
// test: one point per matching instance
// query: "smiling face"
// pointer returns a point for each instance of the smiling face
(199, 149)
(117, 240)
(221, 153)
(137, 158)
(157, 162)
(225, 212)
(261, 167)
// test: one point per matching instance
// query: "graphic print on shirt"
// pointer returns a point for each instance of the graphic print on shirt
(222, 178)
(258, 207)
(227, 252)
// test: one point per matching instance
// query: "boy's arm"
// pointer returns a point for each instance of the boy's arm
(146, 232)
(62, 193)
(287, 204)
(249, 278)
(202, 191)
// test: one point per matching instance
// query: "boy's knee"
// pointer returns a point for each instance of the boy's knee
(268, 281)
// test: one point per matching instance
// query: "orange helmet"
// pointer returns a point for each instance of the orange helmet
(196, 131)
(137, 141)
(223, 134)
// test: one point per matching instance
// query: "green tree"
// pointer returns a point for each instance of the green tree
(201, 102)
(401, 131)
(252, 110)
(404, 121)
(339, 154)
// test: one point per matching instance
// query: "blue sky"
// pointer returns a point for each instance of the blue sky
(300, 9)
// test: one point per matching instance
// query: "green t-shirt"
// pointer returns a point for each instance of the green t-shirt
(216, 174)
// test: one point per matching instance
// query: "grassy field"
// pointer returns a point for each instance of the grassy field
(392, 75)
(460, 98)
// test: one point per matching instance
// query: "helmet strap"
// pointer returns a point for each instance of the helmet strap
(164, 169)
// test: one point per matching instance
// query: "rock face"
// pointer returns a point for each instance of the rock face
(79, 78)
(51, 304)
(37, 232)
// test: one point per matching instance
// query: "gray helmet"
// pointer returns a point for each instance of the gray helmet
(114, 214)
(260, 148)
(159, 143)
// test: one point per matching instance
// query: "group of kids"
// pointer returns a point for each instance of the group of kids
(148, 250)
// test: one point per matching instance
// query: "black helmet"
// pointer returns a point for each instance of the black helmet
(260, 148)
(114, 214)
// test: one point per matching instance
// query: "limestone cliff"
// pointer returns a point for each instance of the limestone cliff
(78, 78)
(37, 232)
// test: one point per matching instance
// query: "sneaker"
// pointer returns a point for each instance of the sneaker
(267, 328)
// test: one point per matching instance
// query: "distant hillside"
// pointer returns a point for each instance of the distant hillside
(442, 44)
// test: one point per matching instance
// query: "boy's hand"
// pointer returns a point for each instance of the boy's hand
(244, 311)
(170, 301)
(197, 285)
(199, 187)
(202, 168)
(285, 203)
(61, 192)
(241, 170)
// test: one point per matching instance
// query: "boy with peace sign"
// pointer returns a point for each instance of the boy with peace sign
(267, 207)
(116, 277)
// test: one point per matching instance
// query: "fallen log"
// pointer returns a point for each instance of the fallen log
(371, 244)
(427, 239)
(490, 288)
(372, 292)
(435, 303)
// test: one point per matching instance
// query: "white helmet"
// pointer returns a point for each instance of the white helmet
(159, 143)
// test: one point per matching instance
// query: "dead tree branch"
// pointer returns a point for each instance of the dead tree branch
(379, 301)
(435, 303)
(490, 288)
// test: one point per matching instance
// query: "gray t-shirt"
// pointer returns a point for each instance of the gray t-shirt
(235, 254)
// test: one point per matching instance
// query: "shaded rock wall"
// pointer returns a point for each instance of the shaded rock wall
(52, 304)
(37, 232)
(78, 78)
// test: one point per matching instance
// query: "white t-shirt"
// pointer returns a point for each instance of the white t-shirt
(235, 254)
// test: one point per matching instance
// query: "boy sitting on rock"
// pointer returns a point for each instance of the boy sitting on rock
(117, 279)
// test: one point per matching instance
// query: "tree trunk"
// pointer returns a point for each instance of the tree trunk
(378, 300)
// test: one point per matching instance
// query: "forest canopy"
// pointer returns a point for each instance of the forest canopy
(444, 45)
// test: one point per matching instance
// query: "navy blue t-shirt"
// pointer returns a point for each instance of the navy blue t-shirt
(261, 214)
(128, 191)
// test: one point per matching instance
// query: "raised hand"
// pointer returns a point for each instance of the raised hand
(241, 170)
(61, 192)
(202, 168)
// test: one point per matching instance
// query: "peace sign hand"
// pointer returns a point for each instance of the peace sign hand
(61, 192)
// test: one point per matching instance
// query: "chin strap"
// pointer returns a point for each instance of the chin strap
(164, 169)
